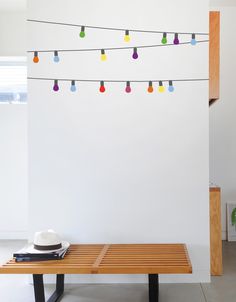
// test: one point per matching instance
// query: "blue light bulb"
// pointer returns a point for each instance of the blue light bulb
(193, 40)
(73, 87)
(171, 87)
(56, 58)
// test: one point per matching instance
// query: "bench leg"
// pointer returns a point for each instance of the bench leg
(39, 289)
(153, 282)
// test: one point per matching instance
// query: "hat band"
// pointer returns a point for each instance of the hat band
(47, 247)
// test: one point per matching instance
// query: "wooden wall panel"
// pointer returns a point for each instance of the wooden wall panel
(214, 56)
(215, 232)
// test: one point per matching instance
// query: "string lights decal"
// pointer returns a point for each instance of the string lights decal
(165, 37)
(102, 89)
(124, 30)
(103, 55)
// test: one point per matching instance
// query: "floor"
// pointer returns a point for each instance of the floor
(221, 289)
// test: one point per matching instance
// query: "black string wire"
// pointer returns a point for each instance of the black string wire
(116, 81)
(115, 28)
(114, 48)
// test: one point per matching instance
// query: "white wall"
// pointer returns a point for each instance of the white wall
(115, 167)
(13, 172)
(13, 134)
(222, 114)
(13, 33)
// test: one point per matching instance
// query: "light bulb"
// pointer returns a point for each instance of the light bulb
(135, 53)
(150, 87)
(171, 87)
(73, 87)
(128, 88)
(161, 88)
(36, 58)
(126, 37)
(102, 87)
(56, 58)
(176, 39)
(55, 86)
(82, 32)
(164, 38)
(103, 55)
(193, 40)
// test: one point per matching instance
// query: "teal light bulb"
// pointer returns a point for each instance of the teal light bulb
(171, 87)
(72, 87)
(193, 40)
(56, 58)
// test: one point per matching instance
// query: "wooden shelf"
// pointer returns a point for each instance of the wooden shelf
(214, 56)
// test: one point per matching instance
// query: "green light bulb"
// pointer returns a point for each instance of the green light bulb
(164, 39)
(82, 32)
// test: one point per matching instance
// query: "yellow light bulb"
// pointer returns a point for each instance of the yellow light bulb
(126, 37)
(161, 88)
(103, 55)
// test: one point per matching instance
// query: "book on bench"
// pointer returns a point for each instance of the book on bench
(24, 255)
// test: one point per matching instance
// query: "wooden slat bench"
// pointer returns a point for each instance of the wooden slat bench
(150, 259)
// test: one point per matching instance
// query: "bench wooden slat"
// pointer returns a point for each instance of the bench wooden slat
(110, 259)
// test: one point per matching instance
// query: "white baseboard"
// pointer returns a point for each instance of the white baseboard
(11, 235)
(224, 235)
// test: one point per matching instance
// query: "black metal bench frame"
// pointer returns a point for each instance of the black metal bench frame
(153, 285)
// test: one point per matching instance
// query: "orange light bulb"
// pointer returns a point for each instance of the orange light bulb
(36, 58)
(150, 88)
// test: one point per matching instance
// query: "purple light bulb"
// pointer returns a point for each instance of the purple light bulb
(128, 88)
(55, 86)
(135, 53)
(176, 39)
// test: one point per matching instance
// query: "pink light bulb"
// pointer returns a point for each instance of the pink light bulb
(128, 88)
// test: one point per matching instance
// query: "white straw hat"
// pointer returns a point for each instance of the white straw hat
(47, 241)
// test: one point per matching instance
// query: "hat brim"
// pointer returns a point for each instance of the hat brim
(30, 249)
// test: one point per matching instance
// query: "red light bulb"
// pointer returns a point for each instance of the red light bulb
(102, 87)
